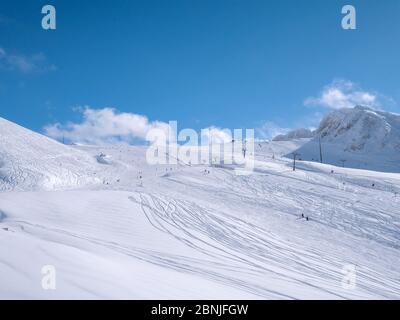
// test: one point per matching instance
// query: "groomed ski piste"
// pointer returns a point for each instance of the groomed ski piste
(115, 227)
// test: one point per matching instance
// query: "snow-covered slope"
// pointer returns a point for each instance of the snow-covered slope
(357, 137)
(201, 232)
(30, 161)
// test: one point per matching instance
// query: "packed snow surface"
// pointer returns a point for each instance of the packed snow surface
(113, 226)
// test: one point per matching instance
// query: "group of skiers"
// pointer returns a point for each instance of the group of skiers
(304, 217)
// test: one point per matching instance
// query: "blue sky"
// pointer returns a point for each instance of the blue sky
(224, 63)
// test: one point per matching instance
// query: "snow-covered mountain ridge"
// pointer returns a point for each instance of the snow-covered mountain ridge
(358, 137)
(362, 129)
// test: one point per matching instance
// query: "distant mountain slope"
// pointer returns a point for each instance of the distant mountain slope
(357, 137)
(295, 134)
(30, 161)
(362, 130)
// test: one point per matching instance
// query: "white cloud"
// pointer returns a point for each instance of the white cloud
(23, 63)
(344, 94)
(100, 126)
(270, 130)
(107, 125)
(216, 135)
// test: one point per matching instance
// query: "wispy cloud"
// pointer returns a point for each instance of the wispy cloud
(269, 130)
(346, 94)
(24, 63)
(102, 126)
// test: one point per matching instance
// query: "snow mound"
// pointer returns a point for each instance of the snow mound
(30, 161)
(104, 159)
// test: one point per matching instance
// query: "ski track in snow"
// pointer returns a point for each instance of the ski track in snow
(243, 244)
